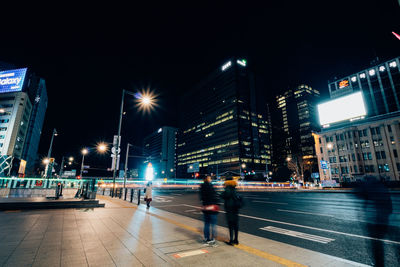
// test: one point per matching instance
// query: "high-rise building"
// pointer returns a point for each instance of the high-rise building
(360, 134)
(380, 85)
(224, 124)
(23, 103)
(159, 148)
(30, 152)
(298, 119)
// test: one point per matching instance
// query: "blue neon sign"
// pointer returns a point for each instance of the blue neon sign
(12, 80)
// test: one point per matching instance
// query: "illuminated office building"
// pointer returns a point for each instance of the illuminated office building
(224, 125)
(355, 149)
(363, 138)
(380, 85)
(159, 148)
(297, 111)
(23, 103)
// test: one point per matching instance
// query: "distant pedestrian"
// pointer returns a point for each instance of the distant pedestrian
(233, 202)
(209, 199)
(149, 194)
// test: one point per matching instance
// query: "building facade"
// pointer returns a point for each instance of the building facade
(159, 148)
(380, 85)
(297, 119)
(349, 151)
(224, 124)
(23, 103)
(39, 106)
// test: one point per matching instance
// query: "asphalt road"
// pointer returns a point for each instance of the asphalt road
(344, 225)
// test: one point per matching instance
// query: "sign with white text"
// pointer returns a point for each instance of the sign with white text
(12, 80)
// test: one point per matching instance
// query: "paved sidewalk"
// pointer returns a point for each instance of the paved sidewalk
(122, 234)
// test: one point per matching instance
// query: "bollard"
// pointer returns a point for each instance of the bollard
(131, 194)
(138, 197)
(126, 192)
(120, 193)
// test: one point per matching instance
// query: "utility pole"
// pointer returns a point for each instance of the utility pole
(126, 164)
(62, 166)
(50, 164)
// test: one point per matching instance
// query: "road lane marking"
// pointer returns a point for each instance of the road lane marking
(190, 253)
(176, 205)
(268, 256)
(270, 202)
(310, 227)
(248, 249)
(320, 229)
(315, 238)
(189, 210)
(303, 212)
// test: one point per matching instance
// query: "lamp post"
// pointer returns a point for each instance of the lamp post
(84, 152)
(49, 154)
(126, 163)
(145, 102)
(241, 166)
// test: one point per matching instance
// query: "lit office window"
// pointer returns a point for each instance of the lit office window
(371, 72)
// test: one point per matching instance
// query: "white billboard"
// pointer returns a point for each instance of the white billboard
(344, 108)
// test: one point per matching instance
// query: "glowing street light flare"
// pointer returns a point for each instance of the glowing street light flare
(84, 151)
(46, 161)
(146, 101)
(149, 172)
(71, 158)
(101, 147)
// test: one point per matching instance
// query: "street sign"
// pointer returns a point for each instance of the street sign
(84, 171)
(195, 167)
(324, 164)
(71, 173)
(86, 166)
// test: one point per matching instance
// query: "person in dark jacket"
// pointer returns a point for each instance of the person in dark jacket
(232, 206)
(209, 199)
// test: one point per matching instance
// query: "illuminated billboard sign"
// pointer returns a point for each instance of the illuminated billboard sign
(343, 84)
(344, 108)
(12, 80)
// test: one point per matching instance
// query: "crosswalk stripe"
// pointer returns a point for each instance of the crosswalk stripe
(282, 231)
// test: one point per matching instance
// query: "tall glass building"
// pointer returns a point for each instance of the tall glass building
(159, 148)
(224, 125)
(380, 85)
(297, 110)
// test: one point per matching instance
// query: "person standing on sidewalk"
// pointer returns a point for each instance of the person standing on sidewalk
(209, 199)
(149, 194)
(233, 202)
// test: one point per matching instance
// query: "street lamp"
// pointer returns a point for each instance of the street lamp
(49, 154)
(84, 152)
(102, 148)
(145, 101)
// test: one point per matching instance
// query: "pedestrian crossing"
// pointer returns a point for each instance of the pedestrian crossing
(315, 238)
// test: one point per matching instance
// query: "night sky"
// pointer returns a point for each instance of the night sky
(88, 54)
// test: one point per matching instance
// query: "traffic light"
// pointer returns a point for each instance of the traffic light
(196, 174)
